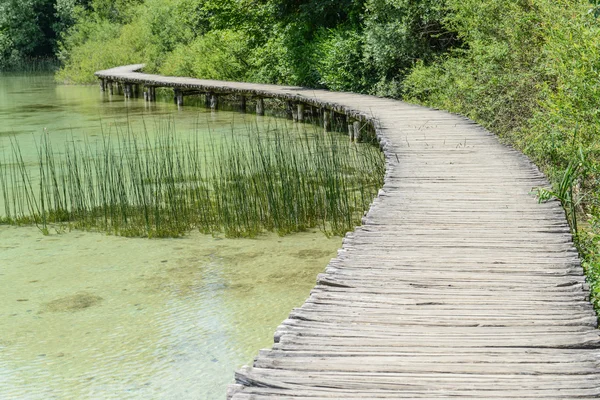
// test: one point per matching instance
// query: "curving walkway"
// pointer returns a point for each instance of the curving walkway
(459, 284)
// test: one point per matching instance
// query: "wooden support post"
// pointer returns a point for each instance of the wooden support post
(289, 110)
(357, 131)
(260, 106)
(110, 87)
(127, 90)
(178, 97)
(300, 112)
(214, 101)
(102, 85)
(149, 93)
(243, 104)
(350, 128)
(327, 120)
(311, 112)
(294, 108)
(152, 93)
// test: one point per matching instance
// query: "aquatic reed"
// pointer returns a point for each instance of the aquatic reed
(284, 180)
(30, 66)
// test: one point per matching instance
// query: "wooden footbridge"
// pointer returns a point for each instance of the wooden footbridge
(458, 284)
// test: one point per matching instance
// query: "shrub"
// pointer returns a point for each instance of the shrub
(216, 55)
(340, 61)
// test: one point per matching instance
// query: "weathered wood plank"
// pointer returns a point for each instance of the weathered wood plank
(458, 284)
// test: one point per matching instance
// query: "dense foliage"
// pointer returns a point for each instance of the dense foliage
(359, 45)
(526, 69)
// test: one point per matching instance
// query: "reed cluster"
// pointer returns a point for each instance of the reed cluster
(30, 66)
(285, 180)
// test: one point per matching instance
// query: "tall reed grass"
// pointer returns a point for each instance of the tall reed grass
(30, 66)
(285, 180)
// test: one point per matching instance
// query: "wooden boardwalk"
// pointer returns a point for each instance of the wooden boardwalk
(458, 285)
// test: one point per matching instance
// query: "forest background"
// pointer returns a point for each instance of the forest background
(528, 70)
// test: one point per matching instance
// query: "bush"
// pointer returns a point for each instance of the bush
(399, 33)
(495, 78)
(97, 45)
(216, 55)
(340, 61)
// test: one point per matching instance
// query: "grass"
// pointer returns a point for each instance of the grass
(285, 180)
(31, 66)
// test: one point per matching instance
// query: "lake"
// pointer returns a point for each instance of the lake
(90, 315)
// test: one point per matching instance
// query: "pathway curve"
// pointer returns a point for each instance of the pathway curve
(458, 284)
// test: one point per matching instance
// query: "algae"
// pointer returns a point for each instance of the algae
(77, 302)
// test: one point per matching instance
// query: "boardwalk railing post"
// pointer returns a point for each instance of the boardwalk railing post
(260, 106)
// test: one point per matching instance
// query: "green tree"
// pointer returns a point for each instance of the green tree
(25, 29)
(31, 28)
(398, 34)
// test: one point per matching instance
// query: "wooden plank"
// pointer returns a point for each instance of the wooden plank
(458, 283)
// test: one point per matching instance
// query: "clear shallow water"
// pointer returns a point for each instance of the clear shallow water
(85, 315)
(32, 106)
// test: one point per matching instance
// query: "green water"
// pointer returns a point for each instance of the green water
(88, 316)
(31, 106)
